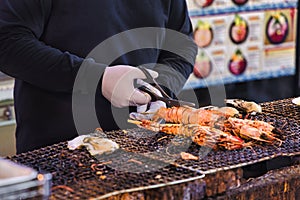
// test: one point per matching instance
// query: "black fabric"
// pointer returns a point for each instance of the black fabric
(44, 42)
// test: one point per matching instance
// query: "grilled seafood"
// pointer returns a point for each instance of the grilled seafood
(95, 145)
(245, 106)
(188, 115)
(188, 156)
(253, 129)
(215, 138)
(229, 111)
(212, 126)
(201, 135)
(174, 129)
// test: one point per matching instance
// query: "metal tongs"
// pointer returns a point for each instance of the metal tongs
(170, 102)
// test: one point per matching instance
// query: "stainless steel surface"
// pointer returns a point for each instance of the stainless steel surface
(22, 182)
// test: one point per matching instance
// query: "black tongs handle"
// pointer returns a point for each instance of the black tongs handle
(165, 97)
(169, 102)
(150, 79)
(155, 97)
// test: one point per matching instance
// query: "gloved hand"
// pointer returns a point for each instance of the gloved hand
(118, 85)
(142, 112)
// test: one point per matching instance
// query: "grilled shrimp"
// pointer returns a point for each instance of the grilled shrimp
(201, 135)
(188, 115)
(254, 129)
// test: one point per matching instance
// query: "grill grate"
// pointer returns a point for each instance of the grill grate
(147, 160)
(223, 160)
(77, 175)
(167, 148)
(283, 107)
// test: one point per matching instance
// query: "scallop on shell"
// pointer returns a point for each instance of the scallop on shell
(95, 145)
(245, 106)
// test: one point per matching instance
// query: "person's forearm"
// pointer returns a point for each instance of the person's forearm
(26, 58)
(24, 55)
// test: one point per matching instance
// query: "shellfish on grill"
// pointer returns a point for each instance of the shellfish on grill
(95, 145)
(244, 106)
(227, 110)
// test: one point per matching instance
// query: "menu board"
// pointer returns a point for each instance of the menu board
(242, 40)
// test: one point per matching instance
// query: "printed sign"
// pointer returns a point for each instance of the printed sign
(246, 43)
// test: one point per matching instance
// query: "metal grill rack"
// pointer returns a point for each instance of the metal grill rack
(212, 161)
(283, 107)
(77, 175)
(147, 160)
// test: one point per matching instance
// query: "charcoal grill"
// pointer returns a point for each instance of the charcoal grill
(212, 161)
(283, 107)
(77, 175)
(147, 160)
(224, 160)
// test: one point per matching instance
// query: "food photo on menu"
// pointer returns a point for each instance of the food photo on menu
(238, 31)
(277, 28)
(203, 34)
(238, 63)
(239, 2)
(203, 3)
(203, 66)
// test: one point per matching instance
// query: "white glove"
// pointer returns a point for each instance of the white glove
(142, 112)
(118, 86)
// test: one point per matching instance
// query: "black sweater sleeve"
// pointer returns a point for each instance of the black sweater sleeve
(177, 68)
(24, 56)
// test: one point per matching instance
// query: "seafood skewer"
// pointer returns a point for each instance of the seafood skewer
(253, 129)
(201, 135)
(244, 128)
(188, 115)
(212, 126)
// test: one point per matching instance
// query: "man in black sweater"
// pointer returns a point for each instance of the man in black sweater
(43, 44)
